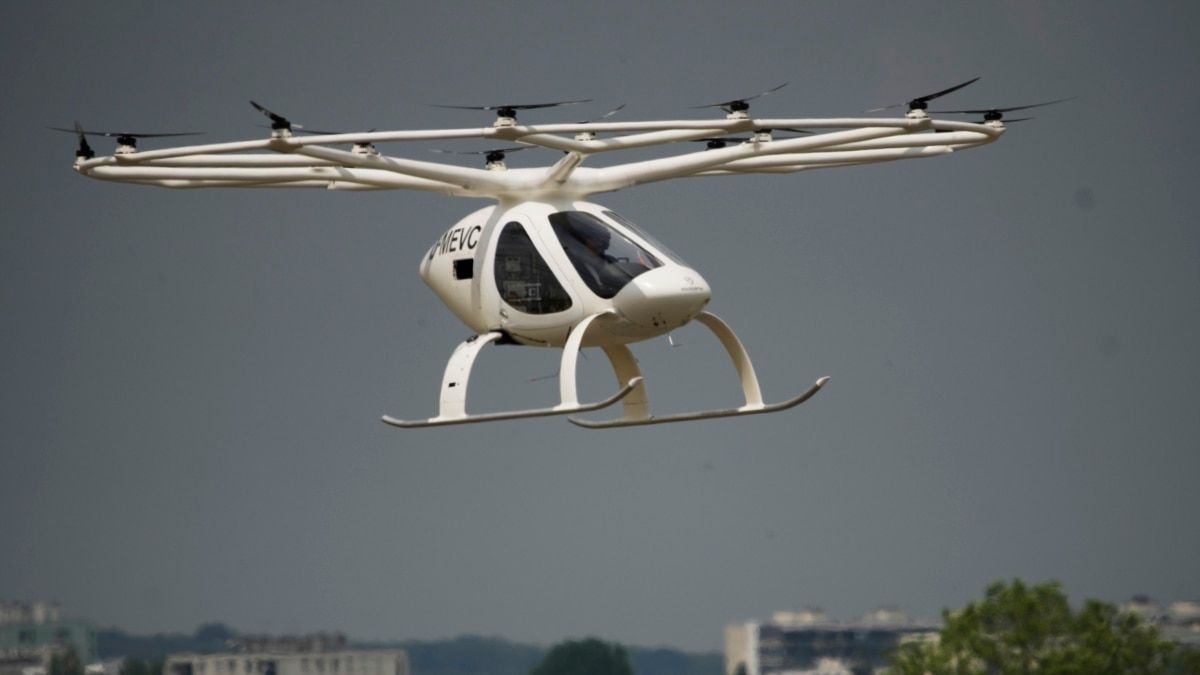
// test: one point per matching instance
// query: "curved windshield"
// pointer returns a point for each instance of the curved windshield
(646, 237)
(605, 259)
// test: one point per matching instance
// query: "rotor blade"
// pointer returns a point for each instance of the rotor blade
(305, 130)
(984, 111)
(278, 122)
(930, 97)
(317, 132)
(725, 104)
(84, 150)
(744, 139)
(116, 134)
(479, 152)
(518, 106)
(78, 131)
(140, 135)
(717, 142)
(722, 139)
(605, 116)
(926, 98)
(612, 112)
(274, 117)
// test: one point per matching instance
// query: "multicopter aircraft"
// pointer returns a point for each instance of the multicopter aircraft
(543, 265)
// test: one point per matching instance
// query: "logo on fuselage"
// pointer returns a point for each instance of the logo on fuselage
(457, 239)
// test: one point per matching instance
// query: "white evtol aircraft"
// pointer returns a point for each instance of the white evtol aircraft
(544, 266)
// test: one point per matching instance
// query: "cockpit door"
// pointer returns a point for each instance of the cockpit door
(522, 281)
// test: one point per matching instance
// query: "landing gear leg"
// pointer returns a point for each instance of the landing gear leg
(452, 408)
(637, 404)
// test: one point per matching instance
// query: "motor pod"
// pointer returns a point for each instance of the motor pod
(664, 298)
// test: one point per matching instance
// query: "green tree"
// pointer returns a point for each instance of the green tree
(1185, 662)
(1032, 629)
(130, 666)
(65, 662)
(136, 666)
(584, 657)
(215, 632)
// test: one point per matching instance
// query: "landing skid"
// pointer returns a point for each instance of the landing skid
(701, 415)
(632, 394)
(452, 408)
(441, 421)
(637, 405)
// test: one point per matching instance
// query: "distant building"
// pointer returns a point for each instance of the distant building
(33, 632)
(1178, 622)
(316, 654)
(808, 642)
(288, 644)
(36, 612)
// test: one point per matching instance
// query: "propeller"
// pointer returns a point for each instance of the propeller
(722, 141)
(510, 109)
(84, 151)
(301, 130)
(922, 102)
(123, 137)
(997, 114)
(739, 104)
(494, 155)
(278, 122)
(317, 132)
(605, 116)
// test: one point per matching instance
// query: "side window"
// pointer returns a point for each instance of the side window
(523, 278)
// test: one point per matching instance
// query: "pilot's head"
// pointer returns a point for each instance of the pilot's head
(594, 235)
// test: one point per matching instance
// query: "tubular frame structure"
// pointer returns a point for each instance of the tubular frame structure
(286, 160)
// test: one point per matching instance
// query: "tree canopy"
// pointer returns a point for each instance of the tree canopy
(584, 657)
(1018, 628)
(65, 662)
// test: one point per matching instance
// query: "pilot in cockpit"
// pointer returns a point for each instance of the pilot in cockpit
(605, 259)
(604, 268)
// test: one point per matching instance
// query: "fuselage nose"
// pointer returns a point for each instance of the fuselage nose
(663, 298)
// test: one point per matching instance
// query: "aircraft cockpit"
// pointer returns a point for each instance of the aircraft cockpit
(605, 259)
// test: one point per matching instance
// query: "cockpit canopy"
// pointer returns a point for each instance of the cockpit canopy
(605, 259)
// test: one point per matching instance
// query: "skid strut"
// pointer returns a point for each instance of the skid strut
(637, 404)
(452, 407)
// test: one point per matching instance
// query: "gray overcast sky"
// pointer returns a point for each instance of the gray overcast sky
(192, 380)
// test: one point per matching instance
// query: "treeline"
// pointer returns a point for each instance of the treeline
(466, 655)
(495, 656)
(112, 643)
